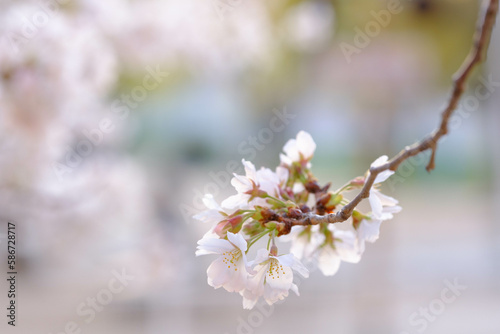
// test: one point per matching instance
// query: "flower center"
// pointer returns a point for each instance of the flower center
(231, 258)
(275, 269)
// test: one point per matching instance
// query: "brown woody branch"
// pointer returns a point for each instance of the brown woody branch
(476, 55)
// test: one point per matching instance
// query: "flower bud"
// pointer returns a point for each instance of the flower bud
(328, 202)
(294, 213)
(358, 181)
(274, 250)
(334, 200)
(264, 214)
(232, 224)
(271, 224)
(304, 208)
(312, 186)
(253, 228)
(268, 214)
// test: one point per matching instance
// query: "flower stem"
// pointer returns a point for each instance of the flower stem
(257, 237)
(276, 200)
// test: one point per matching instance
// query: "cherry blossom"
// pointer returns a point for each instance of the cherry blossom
(214, 214)
(383, 207)
(378, 200)
(341, 246)
(255, 186)
(273, 278)
(300, 149)
(272, 205)
(229, 270)
(369, 228)
(302, 241)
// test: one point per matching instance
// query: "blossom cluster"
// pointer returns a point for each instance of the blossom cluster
(265, 206)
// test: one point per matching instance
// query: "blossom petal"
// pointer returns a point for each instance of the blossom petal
(231, 279)
(209, 216)
(236, 201)
(291, 261)
(249, 299)
(380, 161)
(271, 295)
(346, 246)
(382, 176)
(375, 203)
(361, 245)
(250, 171)
(298, 187)
(305, 144)
(241, 183)
(291, 150)
(369, 230)
(217, 273)
(299, 247)
(210, 202)
(328, 261)
(238, 278)
(212, 245)
(262, 256)
(237, 240)
(282, 174)
(278, 276)
(268, 181)
(387, 212)
(213, 215)
(285, 159)
(255, 283)
(393, 209)
(386, 200)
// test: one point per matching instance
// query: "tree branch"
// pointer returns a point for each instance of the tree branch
(476, 55)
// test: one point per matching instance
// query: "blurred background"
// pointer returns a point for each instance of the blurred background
(117, 116)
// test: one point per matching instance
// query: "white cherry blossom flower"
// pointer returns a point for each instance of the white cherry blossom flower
(254, 184)
(303, 240)
(310, 243)
(214, 214)
(272, 180)
(220, 220)
(300, 149)
(369, 229)
(383, 207)
(342, 248)
(379, 201)
(273, 278)
(229, 270)
(381, 177)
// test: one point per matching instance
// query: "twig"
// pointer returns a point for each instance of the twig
(476, 55)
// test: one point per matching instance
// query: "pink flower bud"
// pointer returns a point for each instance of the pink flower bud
(274, 250)
(228, 225)
(358, 181)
